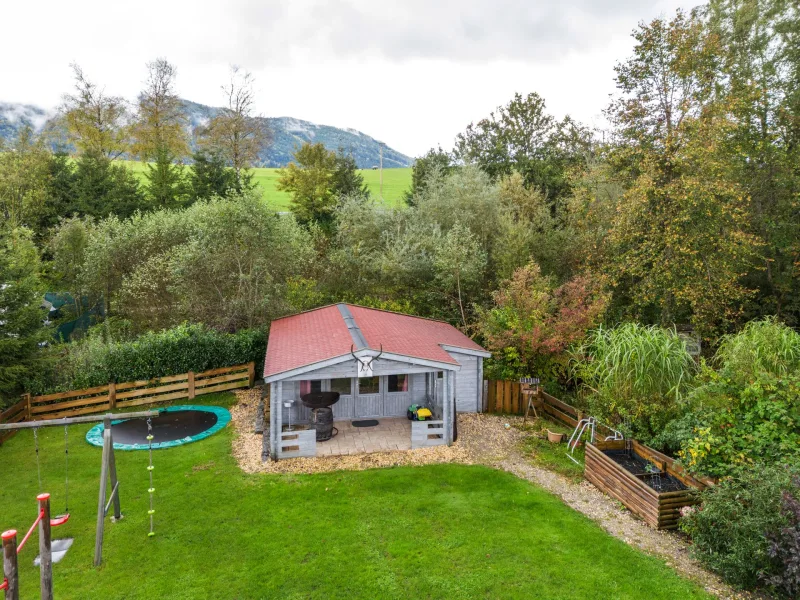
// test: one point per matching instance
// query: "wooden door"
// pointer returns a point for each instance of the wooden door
(397, 395)
(343, 409)
(369, 402)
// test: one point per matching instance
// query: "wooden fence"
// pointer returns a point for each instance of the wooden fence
(125, 395)
(13, 414)
(506, 397)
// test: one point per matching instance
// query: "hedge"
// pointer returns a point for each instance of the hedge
(93, 361)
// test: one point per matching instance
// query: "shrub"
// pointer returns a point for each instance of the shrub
(94, 361)
(744, 424)
(784, 548)
(766, 346)
(731, 532)
(540, 320)
(634, 376)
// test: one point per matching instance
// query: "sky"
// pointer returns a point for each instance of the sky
(412, 74)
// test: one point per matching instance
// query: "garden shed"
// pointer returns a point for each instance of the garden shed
(380, 363)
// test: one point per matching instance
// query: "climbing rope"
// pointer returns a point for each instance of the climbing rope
(38, 469)
(150, 512)
(66, 469)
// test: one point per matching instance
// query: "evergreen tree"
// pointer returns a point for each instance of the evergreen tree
(166, 184)
(21, 326)
(346, 180)
(103, 188)
(209, 176)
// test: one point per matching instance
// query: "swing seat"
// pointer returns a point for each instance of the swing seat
(59, 520)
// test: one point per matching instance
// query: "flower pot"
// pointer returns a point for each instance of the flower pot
(554, 437)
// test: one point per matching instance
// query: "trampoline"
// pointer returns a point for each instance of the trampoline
(174, 426)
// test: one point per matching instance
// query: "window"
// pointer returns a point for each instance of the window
(306, 387)
(343, 386)
(369, 385)
(398, 383)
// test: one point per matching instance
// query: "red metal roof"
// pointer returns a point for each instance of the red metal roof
(317, 335)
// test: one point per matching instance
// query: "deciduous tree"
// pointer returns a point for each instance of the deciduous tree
(236, 132)
(523, 137)
(96, 122)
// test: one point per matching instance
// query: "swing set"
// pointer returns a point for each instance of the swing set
(44, 522)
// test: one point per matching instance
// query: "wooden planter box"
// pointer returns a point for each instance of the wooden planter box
(660, 510)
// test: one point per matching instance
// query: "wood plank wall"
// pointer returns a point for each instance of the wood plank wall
(659, 510)
(125, 395)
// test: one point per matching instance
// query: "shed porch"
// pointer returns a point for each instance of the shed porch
(383, 395)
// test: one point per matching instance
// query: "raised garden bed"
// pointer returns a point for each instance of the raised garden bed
(649, 483)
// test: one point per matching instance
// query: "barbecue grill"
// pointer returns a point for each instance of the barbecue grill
(321, 412)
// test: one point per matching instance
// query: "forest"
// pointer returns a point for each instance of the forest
(586, 258)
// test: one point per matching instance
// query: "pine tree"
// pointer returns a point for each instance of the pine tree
(22, 323)
(209, 176)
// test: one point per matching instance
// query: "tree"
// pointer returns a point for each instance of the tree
(103, 188)
(24, 173)
(236, 133)
(522, 137)
(233, 270)
(459, 264)
(533, 321)
(209, 176)
(679, 240)
(759, 73)
(96, 123)
(309, 179)
(161, 121)
(68, 248)
(21, 328)
(435, 160)
(166, 185)
(346, 180)
(160, 135)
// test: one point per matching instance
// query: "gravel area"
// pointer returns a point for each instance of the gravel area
(493, 441)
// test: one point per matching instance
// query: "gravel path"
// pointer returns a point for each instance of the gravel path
(493, 441)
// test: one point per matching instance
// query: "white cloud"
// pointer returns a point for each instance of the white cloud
(412, 74)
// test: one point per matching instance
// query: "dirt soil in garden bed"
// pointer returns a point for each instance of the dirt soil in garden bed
(492, 440)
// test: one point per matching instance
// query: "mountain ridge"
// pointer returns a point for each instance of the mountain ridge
(289, 133)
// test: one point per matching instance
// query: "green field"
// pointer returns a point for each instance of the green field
(395, 184)
(439, 531)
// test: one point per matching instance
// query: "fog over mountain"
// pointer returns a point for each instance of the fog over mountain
(289, 134)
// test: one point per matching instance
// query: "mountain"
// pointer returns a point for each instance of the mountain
(288, 135)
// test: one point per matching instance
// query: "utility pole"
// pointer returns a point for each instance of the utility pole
(381, 176)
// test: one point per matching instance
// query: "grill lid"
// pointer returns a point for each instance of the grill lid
(320, 399)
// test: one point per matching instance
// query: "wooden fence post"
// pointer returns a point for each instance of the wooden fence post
(190, 385)
(112, 395)
(251, 374)
(45, 552)
(28, 414)
(10, 569)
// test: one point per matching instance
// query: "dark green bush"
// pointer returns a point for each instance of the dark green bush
(784, 547)
(731, 532)
(94, 361)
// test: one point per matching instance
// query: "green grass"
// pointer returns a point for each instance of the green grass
(552, 456)
(444, 531)
(395, 183)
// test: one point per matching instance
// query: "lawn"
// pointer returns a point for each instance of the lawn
(395, 183)
(444, 531)
(553, 456)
